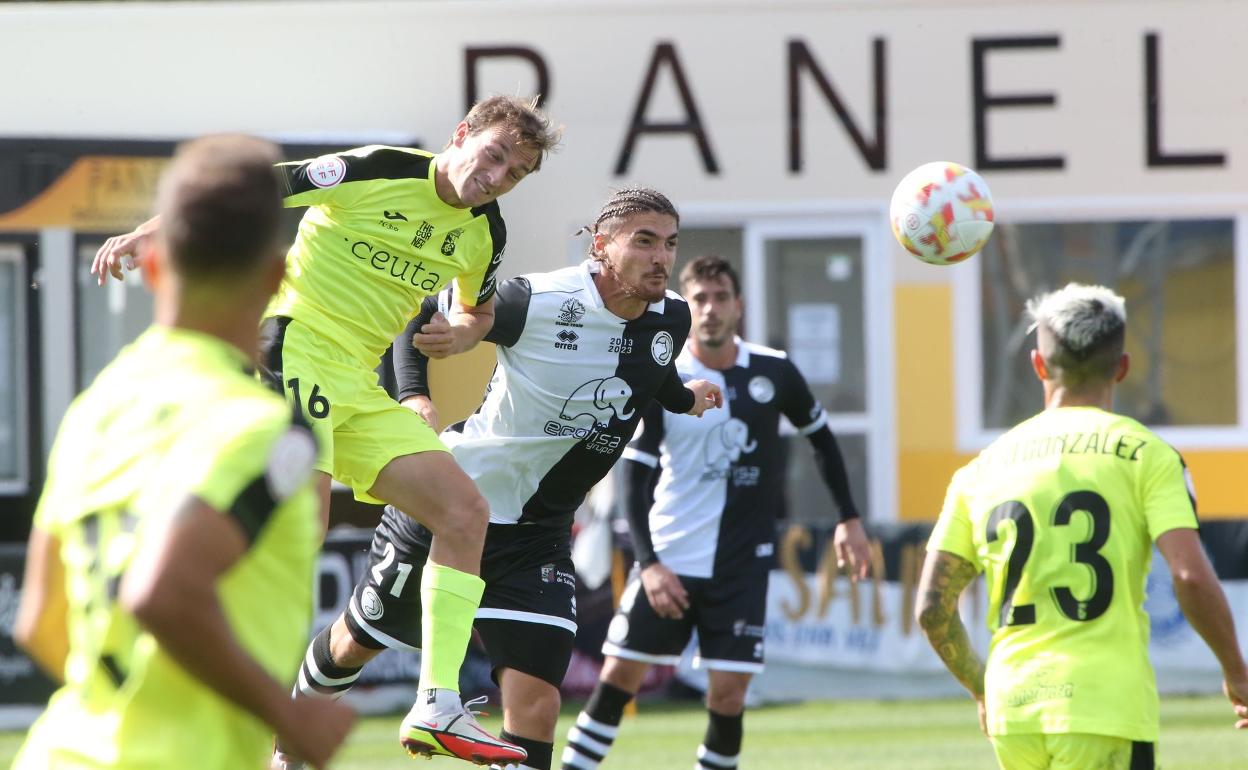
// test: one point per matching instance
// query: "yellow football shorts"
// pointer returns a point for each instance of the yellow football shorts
(1072, 751)
(359, 426)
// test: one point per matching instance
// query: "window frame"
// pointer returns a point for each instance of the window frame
(972, 435)
(19, 484)
(868, 221)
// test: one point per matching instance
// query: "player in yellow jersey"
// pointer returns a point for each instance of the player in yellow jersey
(170, 568)
(386, 227)
(1061, 514)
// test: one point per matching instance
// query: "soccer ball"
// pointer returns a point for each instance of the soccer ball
(941, 212)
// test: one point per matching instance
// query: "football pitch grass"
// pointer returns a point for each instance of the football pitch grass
(1196, 734)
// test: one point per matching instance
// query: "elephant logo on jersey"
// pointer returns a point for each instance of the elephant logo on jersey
(600, 399)
(725, 443)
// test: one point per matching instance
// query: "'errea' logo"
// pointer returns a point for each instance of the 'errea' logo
(566, 340)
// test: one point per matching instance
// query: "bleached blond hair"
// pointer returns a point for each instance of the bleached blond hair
(1080, 332)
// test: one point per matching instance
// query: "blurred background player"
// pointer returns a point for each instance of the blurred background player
(581, 351)
(1061, 513)
(385, 228)
(169, 578)
(705, 537)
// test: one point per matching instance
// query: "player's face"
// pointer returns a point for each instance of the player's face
(715, 309)
(639, 253)
(482, 166)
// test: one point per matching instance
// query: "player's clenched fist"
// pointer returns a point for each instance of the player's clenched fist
(706, 395)
(435, 339)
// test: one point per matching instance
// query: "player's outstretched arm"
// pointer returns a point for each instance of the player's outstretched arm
(1204, 604)
(122, 250)
(945, 577)
(171, 589)
(42, 624)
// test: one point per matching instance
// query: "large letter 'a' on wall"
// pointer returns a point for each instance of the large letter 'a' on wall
(665, 53)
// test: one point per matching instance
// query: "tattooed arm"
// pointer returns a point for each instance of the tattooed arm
(944, 578)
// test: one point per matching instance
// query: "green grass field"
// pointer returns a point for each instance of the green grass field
(868, 735)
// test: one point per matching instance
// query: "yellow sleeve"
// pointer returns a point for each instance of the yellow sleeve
(953, 532)
(247, 473)
(1167, 492)
(478, 284)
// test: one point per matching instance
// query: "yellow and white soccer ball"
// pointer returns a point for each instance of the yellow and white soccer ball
(941, 212)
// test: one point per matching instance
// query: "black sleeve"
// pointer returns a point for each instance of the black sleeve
(673, 394)
(796, 401)
(511, 311)
(411, 367)
(316, 178)
(638, 474)
(832, 468)
(802, 409)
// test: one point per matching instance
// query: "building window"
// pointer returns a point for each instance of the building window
(109, 317)
(13, 410)
(1178, 278)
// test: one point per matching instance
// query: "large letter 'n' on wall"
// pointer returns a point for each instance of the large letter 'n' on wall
(800, 58)
(665, 53)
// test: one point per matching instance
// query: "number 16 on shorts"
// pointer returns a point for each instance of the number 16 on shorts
(317, 405)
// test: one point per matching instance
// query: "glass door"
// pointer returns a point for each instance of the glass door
(820, 290)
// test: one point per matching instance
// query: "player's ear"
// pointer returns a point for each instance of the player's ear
(150, 254)
(460, 133)
(1038, 366)
(1124, 364)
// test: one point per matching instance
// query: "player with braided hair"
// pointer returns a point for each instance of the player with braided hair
(581, 353)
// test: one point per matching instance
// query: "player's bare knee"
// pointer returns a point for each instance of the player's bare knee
(463, 517)
(730, 701)
(536, 714)
(624, 674)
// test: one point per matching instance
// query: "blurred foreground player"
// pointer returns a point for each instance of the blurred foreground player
(169, 574)
(705, 536)
(1061, 513)
(385, 228)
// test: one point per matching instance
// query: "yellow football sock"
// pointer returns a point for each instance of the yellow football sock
(449, 601)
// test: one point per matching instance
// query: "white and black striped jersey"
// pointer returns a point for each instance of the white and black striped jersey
(713, 510)
(568, 390)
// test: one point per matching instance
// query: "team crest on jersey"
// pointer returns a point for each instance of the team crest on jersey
(661, 348)
(570, 313)
(448, 243)
(762, 389)
(327, 171)
(370, 604)
(290, 462)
